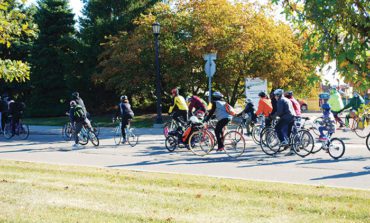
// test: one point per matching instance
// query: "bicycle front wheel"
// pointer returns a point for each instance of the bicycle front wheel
(67, 131)
(368, 142)
(316, 125)
(234, 144)
(303, 143)
(240, 128)
(117, 136)
(132, 138)
(201, 143)
(256, 134)
(24, 131)
(269, 141)
(96, 128)
(93, 138)
(362, 128)
(8, 131)
(82, 137)
(336, 148)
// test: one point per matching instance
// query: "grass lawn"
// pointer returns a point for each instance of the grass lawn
(140, 121)
(49, 193)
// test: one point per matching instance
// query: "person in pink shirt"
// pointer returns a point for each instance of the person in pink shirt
(296, 105)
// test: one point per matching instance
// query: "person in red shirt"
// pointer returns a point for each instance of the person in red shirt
(196, 103)
(296, 105)
(264, 107)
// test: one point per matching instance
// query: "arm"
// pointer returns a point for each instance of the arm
(260, 108)
(211, 112)
(172, 106)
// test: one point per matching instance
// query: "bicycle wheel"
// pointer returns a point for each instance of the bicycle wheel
(132, 138)
(368, 142)
(336, 148)
(256, 134)
(201, 143)
(234, 144)
(361, 128)
(316, 125)
(96, 128)
(171, 143)
(24, 131)
(67, 131)
(269, 142)
(82, 137)
(303, 143)
(240, 128)
(117, 136)
(93, 138)
(8, 131)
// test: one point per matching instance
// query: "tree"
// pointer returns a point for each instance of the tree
(103, 18)
(247, 42)
(53, 57)
(334, 30)
(14, 24)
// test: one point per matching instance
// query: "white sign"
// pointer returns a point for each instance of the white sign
(210, 66)
(253, 86)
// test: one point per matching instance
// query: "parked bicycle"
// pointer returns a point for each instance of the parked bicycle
(21, 130)
(334, 146)
(131, 137)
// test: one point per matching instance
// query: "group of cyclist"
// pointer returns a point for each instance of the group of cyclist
(10, 111)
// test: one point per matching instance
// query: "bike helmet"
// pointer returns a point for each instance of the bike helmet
(262, 94)
(326, 107)
(72, 103)
(279, 92)
(175, 91)
(188, 99)
(288, 94)
(75, 94)
(124, 98)
(248, 100)
(217, 95)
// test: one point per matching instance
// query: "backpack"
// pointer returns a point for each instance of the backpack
(230, 109)
(79, 113)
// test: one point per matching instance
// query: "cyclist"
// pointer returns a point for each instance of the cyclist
(327, 122)
(178, 107)
(296, 105)
(264, 107)
(355, 103)
(286, 113)
(336, 103)
(251, 119)
(197, 104)
(126, 114)
(78, 117)
(15, 111)
(223, 116)
(76, 97)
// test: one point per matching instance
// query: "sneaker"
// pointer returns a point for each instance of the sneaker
(220, 150)
(123, 141)
(284, 143)
(323, 139)
(76, 146)
(291, 153)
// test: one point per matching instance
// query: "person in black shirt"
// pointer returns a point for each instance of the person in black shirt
(15, 111)
(125, 112)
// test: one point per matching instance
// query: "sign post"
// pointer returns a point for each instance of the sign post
(210, 69)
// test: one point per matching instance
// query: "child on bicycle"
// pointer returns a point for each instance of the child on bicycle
(327, 123)
(249, 116)
(126, 114)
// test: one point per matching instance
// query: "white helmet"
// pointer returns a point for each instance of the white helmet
(279, 92)
(217, 95)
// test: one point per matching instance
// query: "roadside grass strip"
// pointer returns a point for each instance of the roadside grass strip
(33, 192)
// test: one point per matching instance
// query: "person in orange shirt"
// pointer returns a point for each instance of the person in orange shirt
(264, 107)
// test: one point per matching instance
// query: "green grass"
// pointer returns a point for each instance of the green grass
(49, 193)
(140, 121)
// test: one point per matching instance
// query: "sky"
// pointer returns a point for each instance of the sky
(76, 6)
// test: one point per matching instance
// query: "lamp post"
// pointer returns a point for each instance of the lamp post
(156, 29)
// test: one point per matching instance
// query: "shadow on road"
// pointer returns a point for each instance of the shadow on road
(346, 175)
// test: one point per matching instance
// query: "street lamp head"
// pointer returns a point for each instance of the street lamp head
(156, 28)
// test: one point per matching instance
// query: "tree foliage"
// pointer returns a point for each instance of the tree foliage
(14, 24)
(335, 30)
(248, 44)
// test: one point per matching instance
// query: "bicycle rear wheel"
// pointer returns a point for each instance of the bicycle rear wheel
(336, 148)
(24, 131)
(132, 138)
(303, 143)
(93, 138)
(201, 143)
(117, 136)
(234, 144)
(8, 131)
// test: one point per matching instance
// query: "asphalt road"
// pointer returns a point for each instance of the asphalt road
(47, 146)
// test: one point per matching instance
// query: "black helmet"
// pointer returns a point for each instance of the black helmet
(75, 94)
(124, 98)
(289, 94)
(279, 92)
(217, 95)
(262, 94)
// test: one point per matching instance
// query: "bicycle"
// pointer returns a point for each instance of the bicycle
(360, 124)
(170, 125)
(131, 137)
(21, 130)
(87, 135)
(300, 140)
(334, 146)
(368, 142)
(243, 124)
(67, 129)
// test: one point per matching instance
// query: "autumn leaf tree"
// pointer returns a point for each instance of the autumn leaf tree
(248, 44)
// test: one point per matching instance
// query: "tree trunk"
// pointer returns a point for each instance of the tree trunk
(235, 93)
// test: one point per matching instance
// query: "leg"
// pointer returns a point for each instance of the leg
(279, 132)
(219, 132)
(88, 124)
(338, 119)
(285, 131)
(124, 123)
(78, 127)
(184, 115)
